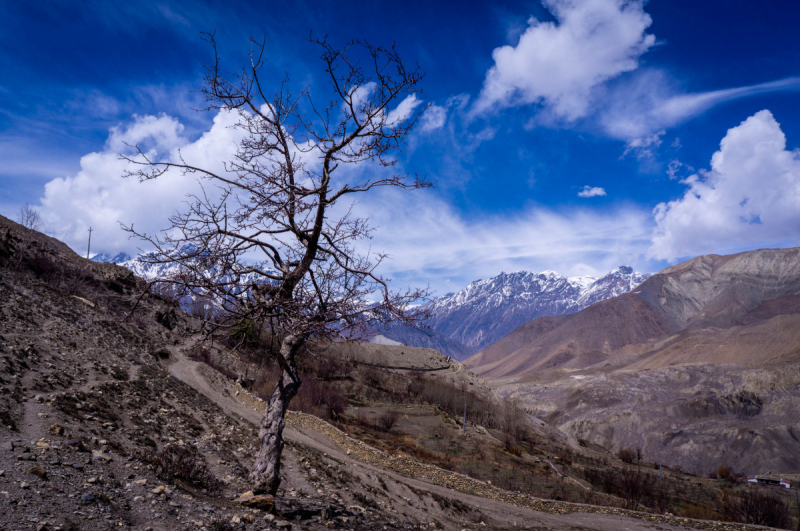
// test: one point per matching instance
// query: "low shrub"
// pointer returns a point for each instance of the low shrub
(181, 463)
(699, 512)
(627, 455)
(757, 507)
(318, 398)
(388, 419)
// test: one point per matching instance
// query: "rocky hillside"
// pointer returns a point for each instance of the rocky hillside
(113, 416)
(699, 365)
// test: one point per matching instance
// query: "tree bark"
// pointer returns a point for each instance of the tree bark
(266, 474)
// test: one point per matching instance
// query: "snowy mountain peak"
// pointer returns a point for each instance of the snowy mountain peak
(486, 310)
(118, 258)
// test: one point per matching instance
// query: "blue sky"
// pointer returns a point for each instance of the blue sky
(566, 135)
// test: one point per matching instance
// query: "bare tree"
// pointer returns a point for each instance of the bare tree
(388, 419)
(29, 218)
(275, 245)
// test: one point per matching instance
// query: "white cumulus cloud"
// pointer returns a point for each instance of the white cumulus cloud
(749, 198)
(429, 239)
(99, 197)
(558, 64)
(592, 191)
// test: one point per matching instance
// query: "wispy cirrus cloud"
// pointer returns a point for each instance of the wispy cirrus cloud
(649, 103)
(433, 242)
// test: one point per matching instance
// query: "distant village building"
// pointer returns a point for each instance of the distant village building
(770, 481)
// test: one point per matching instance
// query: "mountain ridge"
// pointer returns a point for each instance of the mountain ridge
(706, 291)
(698, 366)
(485, 311)
(481, 313)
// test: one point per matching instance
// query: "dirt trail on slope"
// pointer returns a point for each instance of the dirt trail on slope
(415, 490)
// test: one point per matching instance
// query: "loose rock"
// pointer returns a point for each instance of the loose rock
(37, 471)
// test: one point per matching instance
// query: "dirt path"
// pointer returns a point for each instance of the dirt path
(400, 481)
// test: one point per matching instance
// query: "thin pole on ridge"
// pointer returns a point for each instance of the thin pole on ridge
(89, 248)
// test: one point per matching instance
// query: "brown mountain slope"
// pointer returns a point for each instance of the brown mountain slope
(584, 339)
(692, 301)
(699, 366)
(714, 290)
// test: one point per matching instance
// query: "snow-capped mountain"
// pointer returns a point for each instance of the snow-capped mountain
(140, 269)
(111, 259)
(487, 310)
(480, 314)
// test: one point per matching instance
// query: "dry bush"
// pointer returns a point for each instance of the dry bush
(372, 377)
(329, 368)
(508, 416)
(181, 463)
(700, 512)
(318, 398)
(561, 493)
(604, 479)
(723, 472)
(627, 455)
(45, 269)
(635, 485)
(388, 419)
(30, 218)
(757, 507)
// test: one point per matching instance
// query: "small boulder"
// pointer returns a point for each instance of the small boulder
(76, 443)
(37, 471)
(256, 501)
(57, 429)
(87, 497)
(97, 454)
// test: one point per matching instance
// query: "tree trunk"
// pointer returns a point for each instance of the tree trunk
(266, 474)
